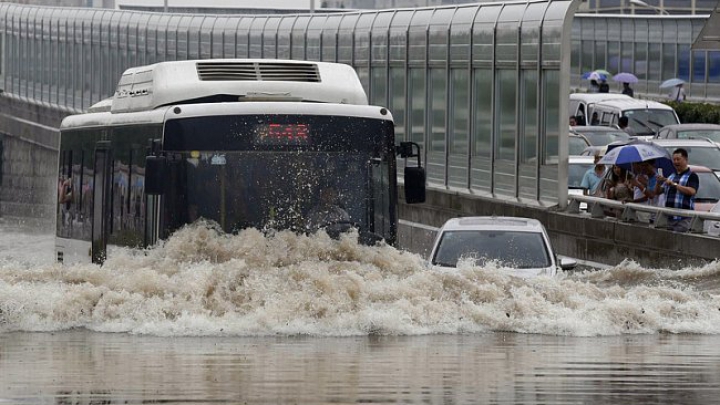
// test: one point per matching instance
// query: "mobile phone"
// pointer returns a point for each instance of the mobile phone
(660, 172)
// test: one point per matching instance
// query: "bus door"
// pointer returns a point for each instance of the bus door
(102, 181)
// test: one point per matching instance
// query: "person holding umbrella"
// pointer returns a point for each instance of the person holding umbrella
(637, 151)
(626, 79)
(627, 90)
(594, 78)
(603, 87)
(680, 189)
(677, 92)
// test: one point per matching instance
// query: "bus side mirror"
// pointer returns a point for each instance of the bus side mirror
(155, 175)
(414, 176)
(414, 185)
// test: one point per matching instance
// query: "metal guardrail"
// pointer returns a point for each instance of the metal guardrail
(700, 222)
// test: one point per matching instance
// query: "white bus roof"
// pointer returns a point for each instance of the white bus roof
(158, 116)
(105, 118)
(148, 87)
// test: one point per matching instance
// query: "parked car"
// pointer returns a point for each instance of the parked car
(599, 135)
(701, 152)
(712, 228)
(645, 117)
(708, 193)
(580, 104)
(518, 243)
(577, 144)
(690, 131)
(602, 150)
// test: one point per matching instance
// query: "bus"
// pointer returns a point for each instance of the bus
(239, 142)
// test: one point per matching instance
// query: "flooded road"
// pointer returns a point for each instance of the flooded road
(81, 367)
(250, 319)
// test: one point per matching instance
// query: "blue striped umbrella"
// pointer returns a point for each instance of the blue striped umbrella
(637, 152)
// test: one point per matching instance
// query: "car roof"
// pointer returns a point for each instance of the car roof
(681, 127)
(700, 169)
(581, 160)
(595, 97)
(633, 104)
(493, 223)
(685, 142)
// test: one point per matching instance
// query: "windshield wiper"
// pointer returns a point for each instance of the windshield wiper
(655, 123)
(643, 124)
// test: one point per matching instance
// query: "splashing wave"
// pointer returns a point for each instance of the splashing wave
(203, 282)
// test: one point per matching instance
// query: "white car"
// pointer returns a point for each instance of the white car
(521, 244)
(712, 228)
(701, 152)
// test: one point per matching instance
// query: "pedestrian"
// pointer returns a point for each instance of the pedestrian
(627, 90)
(619, 187)
(591, 178)
(677, 93)
(594, 87)
(604, 87)
(644, 187)
(680, 189)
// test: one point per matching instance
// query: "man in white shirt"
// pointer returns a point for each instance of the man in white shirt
(677, 93)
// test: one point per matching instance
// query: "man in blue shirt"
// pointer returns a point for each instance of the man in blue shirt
(680, 189)
(592, 177)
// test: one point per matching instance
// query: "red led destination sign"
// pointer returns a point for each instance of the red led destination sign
(283, 134)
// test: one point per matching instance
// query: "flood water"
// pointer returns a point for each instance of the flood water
(254, 319)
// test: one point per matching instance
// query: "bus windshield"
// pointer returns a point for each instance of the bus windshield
(304, 174)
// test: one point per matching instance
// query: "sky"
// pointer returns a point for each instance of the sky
(292, 4)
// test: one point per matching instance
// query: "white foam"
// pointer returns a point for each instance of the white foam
(202, 282)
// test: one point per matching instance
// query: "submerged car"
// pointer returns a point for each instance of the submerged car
(521, 244)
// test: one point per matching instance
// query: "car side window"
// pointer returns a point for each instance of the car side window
(607, 118)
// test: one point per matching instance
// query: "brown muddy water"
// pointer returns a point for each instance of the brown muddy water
(250, 319)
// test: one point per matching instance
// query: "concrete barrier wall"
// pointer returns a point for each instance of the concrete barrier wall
(29, 139)
(607, 241)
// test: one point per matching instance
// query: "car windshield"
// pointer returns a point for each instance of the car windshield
(576, 145)
(709, 189)
(576, 172)
(648, 121)
(708, 156)
(711, 135)
(604, 138)
(515, 249)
